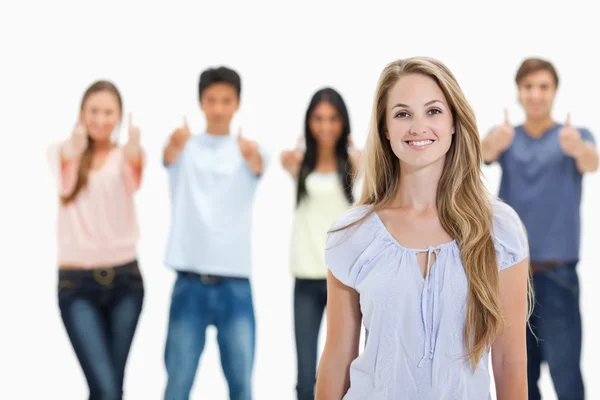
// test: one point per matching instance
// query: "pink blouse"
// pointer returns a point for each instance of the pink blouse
(99, 228)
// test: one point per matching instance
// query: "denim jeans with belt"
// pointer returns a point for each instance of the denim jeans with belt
(556, 321)
(100, 310)
(197, 302)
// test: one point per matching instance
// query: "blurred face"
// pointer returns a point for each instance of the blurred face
(536, 94)
(419, 121)
(100, 115)
(326, 125)
(219, 102)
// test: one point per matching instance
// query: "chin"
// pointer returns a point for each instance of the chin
(537, 113)
(328, 144)
(422, 162)
(218, 121)
(100, 137)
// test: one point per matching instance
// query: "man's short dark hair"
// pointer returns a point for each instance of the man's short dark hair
(219, 75)
(532, 65)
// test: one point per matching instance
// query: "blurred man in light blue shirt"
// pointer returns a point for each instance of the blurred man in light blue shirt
(212, 180)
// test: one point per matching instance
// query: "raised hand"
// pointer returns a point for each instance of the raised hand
(181, 135)
(250, 153)
(133, 147)
(504, 134)
(133, 131)
(248, 148)
(77, 143)
(292, 159)
(570, 139)
(177, 142)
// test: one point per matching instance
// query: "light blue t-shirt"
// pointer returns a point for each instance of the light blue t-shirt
(414, 326)
(212, 195)
(544, 187)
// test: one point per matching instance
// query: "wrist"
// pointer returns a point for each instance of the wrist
(499, 144)
(579, 151)
(133, 149)
(70, 151)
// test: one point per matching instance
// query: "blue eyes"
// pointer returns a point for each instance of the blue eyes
(404, 114)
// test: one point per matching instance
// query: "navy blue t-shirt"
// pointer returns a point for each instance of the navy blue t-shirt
(543, 186)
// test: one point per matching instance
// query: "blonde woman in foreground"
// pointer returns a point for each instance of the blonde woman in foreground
(435, 269)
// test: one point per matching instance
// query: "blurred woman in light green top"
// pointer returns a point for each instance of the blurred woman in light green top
(324, 175)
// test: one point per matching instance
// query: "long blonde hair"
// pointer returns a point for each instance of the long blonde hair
(463, 204)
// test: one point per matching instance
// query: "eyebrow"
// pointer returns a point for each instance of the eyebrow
(426, 104)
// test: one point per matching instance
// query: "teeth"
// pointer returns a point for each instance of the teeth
(420, 143)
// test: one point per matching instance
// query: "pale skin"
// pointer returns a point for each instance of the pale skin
(417, 112)
(536, 94)
(219, 102)
(326, 126)
(97, 119)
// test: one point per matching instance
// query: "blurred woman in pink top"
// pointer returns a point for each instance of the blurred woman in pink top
(100, 288)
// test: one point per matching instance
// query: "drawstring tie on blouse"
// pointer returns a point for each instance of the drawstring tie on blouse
(430, 293)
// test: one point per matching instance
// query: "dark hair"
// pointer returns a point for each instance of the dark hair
(531, 65)
(344, 168)
(85, 162)
(218, 75)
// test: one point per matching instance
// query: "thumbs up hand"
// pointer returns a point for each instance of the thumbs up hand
(250, 153)
(570, 139)
(504, 134)
(133, 146)
(248, 148)
(292, 159)
(181, 135)
(134, 131)
(74, 147)
(80, 137)
(177, 141)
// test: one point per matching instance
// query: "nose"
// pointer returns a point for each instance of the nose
(326, 124)
(418, 126)
(536, 93)
(219, 110)
(98, 122)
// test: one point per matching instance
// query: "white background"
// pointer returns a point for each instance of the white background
(51, 51)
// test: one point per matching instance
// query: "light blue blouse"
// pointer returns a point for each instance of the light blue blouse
(414, 326)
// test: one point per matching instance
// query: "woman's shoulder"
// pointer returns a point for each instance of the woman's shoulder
(353, 215)
(351, 242)
(505, 217)
(510, 235)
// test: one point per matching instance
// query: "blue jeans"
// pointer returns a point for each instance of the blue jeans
(310, 299)
(556, 321)
(100, 311)
(195, 305)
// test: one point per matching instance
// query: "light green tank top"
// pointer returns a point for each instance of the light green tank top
(314, 216)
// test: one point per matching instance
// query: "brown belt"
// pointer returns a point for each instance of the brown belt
(103, 275)
(541, 266)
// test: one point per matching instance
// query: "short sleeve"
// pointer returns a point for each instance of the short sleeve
(510, 237)
(345, 246)
(587, 136)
